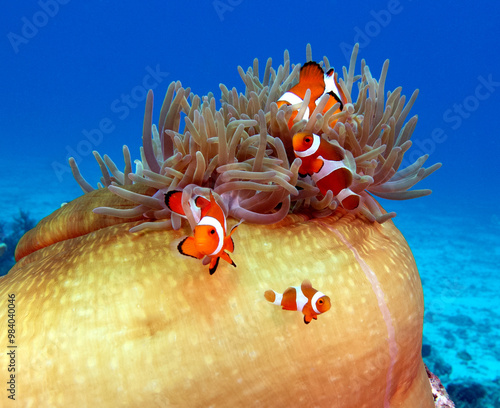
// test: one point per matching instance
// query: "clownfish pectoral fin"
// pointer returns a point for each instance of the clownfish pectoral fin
(228, 241)
(227, 258)
(214, 263)
(307, 319)
(228, 244)
(173, 200)
(187, 247)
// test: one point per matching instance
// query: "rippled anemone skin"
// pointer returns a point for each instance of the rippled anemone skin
(109, 317)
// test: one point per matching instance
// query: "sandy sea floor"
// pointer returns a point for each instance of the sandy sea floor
(458, 253)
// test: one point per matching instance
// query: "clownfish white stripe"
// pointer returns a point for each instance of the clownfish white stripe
(313, 149)
(329, 166)
(278, 298)
(293, 99)
(290, 98)
(211, 221)
(346, 192)
(314, 299)
(300, 299)
(330, 84)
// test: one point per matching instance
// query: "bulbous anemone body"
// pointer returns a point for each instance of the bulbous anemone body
(108, 318)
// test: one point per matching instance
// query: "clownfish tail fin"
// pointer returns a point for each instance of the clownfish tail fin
(270, 295)
(273, 297)
(173, 200)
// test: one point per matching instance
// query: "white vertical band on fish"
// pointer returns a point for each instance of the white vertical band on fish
(300, 298)
(329, 166)
(313, 149)
(211, 221)
(314, 299)
(346, 192)
(293, 99)
(330, 85)
(278, 298)
(290, 98)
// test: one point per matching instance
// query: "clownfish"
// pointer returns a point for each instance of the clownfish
(320, 83)
(209, 237)
(302, 298)
(323, 161)
(199, 205)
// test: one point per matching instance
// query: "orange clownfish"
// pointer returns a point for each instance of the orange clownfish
(313, 77)
(323, 161)
(209, 237)
(302, 298)
(199, 205)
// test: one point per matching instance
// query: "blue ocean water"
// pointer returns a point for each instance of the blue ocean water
(74, 79)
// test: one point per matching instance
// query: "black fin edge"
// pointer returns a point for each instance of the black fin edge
(179, 248)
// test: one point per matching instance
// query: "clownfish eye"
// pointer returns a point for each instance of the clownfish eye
(320, 301)
(307, 139)
(212, 231)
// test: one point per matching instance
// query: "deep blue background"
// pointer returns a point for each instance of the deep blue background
(65, 78)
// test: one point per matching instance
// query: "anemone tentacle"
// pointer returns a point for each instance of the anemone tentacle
(243, 150)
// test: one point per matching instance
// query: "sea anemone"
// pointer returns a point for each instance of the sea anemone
(243, 149)
(108, 318)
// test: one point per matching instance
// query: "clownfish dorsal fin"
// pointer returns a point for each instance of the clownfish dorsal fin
(312, 73)
(311, 77)
(173, 200)
(306, 284)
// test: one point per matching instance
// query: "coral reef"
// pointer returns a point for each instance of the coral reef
(441, 397)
